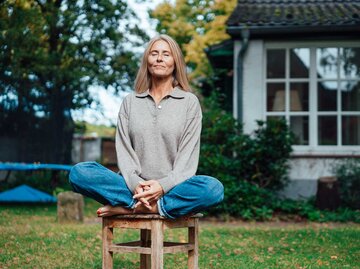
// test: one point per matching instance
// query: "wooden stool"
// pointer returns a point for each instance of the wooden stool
(150, 246)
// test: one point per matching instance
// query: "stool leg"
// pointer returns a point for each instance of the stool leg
(145, 259)
(193, 255)
(107, 237)
(157, 244)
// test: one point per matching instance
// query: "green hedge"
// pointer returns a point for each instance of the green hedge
(253, 167)
(347, 172)
(250, 166)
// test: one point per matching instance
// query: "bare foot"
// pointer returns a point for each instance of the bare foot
(109, 210)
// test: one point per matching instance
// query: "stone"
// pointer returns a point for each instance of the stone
(70, 207)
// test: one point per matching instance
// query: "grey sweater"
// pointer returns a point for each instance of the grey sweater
(158, 142)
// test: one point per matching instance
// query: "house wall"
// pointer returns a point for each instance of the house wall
(253, 84)
(88, 149)
(304, 174)
(99, 149)
(305, 170)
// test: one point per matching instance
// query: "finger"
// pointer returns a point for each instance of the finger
(144, 194)
(138, 189)
(144, 201)
(147, 205)
(146, 188)
(137, 204)
(146, 183)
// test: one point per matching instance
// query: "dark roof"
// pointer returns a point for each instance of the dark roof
(264, 16)
(221, 54)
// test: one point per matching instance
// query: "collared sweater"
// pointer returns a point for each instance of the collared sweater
(160, 142)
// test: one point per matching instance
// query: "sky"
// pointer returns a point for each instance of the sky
(106, 112)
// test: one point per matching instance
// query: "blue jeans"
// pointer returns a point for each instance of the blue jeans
(107, 187)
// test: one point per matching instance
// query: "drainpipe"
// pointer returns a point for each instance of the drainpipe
(244, 45)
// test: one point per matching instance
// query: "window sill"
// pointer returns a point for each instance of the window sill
(326, 152)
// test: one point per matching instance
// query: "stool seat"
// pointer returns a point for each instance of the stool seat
(151, 245)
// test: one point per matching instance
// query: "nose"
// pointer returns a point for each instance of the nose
(159, 58)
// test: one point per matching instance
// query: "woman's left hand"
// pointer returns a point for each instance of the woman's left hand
(152, 191)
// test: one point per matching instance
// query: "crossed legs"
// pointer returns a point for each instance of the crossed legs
(109, 188)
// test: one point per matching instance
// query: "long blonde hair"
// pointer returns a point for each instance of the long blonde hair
(143, 77)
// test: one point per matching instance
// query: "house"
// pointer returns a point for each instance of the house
(298, 60)
(94, 148)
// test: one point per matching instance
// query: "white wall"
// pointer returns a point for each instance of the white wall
(304, 174)
(304, 171)
(86, 149)
(253, 85)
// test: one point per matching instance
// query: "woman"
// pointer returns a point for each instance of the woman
(157, 145)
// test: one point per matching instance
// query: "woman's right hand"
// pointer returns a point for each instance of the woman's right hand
(140, 189)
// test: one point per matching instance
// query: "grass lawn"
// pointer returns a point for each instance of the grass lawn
(30, 237)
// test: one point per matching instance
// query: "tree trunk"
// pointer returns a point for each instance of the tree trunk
(62, 128)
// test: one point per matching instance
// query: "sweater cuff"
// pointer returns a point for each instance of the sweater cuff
(166, 183)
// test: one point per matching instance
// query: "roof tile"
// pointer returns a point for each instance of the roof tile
(265, 13)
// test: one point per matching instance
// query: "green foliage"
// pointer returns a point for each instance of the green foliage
(50, 53)
(80, 127)
(252, 167)
(86, 128)
(51, 182)
(249, 165)
(308, 210)
(271, 152)
(244, 199)
(348, 174)
(195, 25)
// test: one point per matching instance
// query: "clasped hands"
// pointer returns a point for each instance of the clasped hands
(148, 192)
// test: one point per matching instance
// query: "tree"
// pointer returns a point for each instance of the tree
(195, 25)
(51, 51)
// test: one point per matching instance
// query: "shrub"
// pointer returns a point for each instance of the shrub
(262, 158)
(308, 210)
(348, 174)
(43, 180)
(249, 165)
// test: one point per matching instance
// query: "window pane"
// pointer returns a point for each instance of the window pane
(327, 130)
(275, 99)
(350, 96)
(299, 125)
(351, 130)
(349, 63)
(326, 61)
(299, 96)
(299, 63)
(275, 63)
(327, 97)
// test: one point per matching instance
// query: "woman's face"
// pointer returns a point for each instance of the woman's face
(161, 63)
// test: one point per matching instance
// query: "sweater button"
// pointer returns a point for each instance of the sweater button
(159, 106)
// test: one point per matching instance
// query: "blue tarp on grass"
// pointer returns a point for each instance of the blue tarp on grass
(26, 194)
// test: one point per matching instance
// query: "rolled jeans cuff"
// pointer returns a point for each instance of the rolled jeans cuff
(132, 204)
(161, 209)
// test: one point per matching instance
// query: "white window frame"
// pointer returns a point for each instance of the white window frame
(313, 149)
